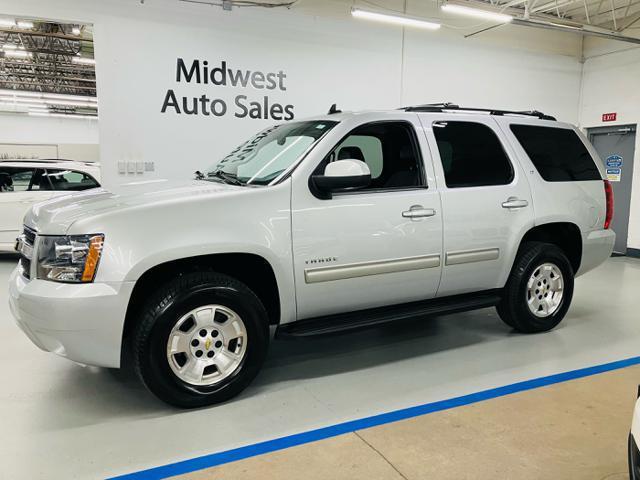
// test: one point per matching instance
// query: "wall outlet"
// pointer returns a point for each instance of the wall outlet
(149, 167)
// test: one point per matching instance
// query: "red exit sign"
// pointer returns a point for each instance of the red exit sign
(609, 117)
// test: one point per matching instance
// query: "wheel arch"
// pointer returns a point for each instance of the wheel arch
(565, 235)
(251, 269)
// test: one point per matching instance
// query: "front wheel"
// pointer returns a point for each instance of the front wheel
(539, 290)
(201, 340)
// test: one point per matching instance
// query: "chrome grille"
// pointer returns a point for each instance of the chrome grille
(24, 246)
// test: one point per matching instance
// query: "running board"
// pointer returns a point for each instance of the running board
(360, 319)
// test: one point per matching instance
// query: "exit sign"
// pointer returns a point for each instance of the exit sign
(609, 117)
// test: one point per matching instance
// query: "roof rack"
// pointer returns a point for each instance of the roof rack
(440, 107)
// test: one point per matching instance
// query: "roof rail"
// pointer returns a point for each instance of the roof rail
(49, 160)
(440, 107)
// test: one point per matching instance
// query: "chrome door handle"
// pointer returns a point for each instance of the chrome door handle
(514, 202)
(418, 211)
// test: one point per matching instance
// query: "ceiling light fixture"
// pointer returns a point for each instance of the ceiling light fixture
(395, 19)
(47, 101)
(30, 96)
(84, 60)
(62, 115)
(564, 25)
(476, 12)
(7, 102)
(75, 30)
(25, 25)
(7, 22)
(18, 54)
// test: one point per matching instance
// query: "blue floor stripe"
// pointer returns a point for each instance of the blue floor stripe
(281, 443)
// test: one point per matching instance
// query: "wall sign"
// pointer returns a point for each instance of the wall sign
(613, 161)
(609, 117)
(614, 174)
(222, 76)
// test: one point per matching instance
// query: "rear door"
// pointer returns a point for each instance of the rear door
(486, 200)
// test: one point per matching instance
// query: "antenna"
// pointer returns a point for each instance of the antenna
(334, 109)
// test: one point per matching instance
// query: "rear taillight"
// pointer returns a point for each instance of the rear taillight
(608, 194)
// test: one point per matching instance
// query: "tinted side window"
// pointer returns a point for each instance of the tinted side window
(70, 180)
(389, 149)
(557, 153)
(14, 179)
(471, 155)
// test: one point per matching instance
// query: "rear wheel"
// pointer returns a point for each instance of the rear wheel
(539, 290)
(202, 339)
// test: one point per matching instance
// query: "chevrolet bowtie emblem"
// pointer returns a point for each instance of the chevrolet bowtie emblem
(207, 343)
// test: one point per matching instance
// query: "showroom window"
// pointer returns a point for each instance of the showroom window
(471, 155)
(390, 150)
(68, 180)
(15, 179)
(557, 153)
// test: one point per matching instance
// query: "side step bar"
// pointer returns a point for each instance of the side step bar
(360, 319)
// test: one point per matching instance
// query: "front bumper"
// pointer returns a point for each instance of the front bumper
(82, 322)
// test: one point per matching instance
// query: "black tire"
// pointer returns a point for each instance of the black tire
(513, 308)
(162, 312)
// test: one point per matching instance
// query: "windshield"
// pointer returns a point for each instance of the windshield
(269, 153)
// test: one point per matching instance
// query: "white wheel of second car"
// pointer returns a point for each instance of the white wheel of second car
(545, 289)
(207, 345)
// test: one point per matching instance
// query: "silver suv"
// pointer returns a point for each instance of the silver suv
(333, 223)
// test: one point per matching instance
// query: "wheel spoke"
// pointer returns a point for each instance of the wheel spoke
(193, 370)
(204, 317)
(231, 329)
(223, 359)
(179, 342)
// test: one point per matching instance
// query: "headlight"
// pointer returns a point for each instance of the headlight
(71, 258)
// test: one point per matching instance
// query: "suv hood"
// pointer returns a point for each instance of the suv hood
(56, 215)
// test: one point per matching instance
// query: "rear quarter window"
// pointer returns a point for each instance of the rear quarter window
(557, 153)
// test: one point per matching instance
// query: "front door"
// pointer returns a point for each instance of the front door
(376, 246)
(616, 147)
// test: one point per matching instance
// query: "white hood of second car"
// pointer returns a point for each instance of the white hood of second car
(56, 215)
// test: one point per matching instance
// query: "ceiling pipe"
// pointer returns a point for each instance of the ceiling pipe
(583, 30)
(560, 25)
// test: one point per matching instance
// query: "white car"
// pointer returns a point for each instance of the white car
(26, 182)
(338, 222)
(634, 439)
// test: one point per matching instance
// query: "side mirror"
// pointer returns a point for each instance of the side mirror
(342, 175)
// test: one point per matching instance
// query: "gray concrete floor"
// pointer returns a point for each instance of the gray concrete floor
(60, 420)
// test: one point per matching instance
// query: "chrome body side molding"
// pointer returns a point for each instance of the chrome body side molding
(471, 256)
(363, 269)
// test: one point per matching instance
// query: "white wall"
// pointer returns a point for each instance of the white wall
(611, 83)
(327, 56)
(21, 128)
(47, 137)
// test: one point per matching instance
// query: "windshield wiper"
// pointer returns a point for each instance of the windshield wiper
(226, 177)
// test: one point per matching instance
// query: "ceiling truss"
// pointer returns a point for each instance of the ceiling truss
(44, 59)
